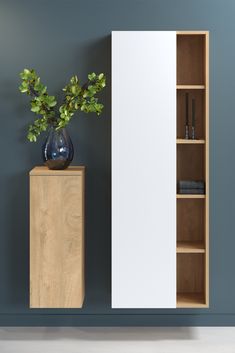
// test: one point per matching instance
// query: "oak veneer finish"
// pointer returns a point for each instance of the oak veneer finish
(193, 164)
(57, 238)
(198, 95)
(190, 273)
(191, 300)
(190, 59)
(191, 220)
(190, 162)
(184, 247)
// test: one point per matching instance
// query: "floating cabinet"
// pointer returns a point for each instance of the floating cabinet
(160, 236)
(57, 237)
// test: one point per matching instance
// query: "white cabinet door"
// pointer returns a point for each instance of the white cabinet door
(143, 169)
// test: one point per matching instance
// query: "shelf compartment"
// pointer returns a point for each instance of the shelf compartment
(191, 220)
(189, 87)
(190, 59)
(199, 97)
(190, 142)
(185, 247)
(191, 277)
(191, 300)
(190, 162)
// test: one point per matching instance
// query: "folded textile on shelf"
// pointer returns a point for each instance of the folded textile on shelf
(191, 184)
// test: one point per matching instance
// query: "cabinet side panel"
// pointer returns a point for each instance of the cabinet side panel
(207, 273)
(56, 242)
(143, 169)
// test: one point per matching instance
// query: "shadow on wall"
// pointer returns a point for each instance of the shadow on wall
(17, 242)
(91, 136)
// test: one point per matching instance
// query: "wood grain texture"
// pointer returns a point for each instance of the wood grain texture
(191, 162)
(190, 59)
(57, 240)
(190, 273)
(191, 220)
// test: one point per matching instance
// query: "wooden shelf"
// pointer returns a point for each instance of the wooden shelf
(190, 247)
(190, 142)
(190, 87)
(191, 300)
(190, 196)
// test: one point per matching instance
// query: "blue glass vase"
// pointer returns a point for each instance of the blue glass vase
(57, 151)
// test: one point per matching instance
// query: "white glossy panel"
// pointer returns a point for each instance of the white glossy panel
(143, 169)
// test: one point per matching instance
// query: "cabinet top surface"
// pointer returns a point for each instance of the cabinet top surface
(196, 32)
(72, 170)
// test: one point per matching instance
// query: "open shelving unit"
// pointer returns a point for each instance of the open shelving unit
(193, 164)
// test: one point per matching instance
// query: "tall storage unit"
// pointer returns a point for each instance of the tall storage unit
(160, 238)
(57, 238)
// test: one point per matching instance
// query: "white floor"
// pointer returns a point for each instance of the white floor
(118, 340)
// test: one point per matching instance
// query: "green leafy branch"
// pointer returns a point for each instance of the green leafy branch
(77, 97)
(81, 97)
(41, 103)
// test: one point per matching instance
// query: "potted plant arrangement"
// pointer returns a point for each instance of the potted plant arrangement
(58, 150)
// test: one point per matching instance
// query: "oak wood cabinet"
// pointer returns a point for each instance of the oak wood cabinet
(57, 237)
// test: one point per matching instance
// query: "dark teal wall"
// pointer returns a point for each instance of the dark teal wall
(59, 39)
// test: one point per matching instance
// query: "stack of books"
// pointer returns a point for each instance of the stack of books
(191, 187)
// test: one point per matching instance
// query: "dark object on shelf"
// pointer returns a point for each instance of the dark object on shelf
(186, 118)
(193, 119)
(57, 151)
(191, 191)
(191, 184)
(191, 187)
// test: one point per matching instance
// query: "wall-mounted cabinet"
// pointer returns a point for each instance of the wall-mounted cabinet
(160, 235)
(57, 237)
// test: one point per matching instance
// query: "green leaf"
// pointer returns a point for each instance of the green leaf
(31, 137)
(25, 74)
(92, 76)
(23, 89)
(26, 71)
(74, 80)
(52, 103)
(35, 108)
(73, 89)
